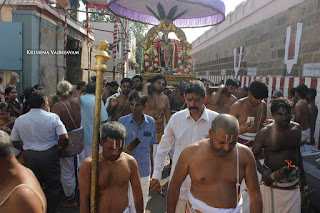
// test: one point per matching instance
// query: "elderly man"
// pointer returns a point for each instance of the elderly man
(116, 169)
(139, 125)
(40, 134)
(213, 191)
(69, 111)
(20, 190)
(14, 78)
(184, 128)
(283, 163)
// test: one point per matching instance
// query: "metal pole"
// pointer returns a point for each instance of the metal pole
(102, 58)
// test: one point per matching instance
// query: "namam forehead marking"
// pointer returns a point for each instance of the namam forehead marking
(115, 144)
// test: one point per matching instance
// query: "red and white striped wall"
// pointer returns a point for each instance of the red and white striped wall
(284, 83)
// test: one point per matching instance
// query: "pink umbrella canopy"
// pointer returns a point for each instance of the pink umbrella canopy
(183, 13)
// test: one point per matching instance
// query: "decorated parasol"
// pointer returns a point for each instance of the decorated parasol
(183, 13)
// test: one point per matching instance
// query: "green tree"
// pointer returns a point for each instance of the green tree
(100, 15)
(139, 29)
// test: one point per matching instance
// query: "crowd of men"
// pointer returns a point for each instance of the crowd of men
(221, 145)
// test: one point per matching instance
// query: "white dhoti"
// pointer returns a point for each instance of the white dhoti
(68, 178)
(145, 183)
(280, 200)
(305, 141)
(128, 210)
(199, 206)
(248, 139)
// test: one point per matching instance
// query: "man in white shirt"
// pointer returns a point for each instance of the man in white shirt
(40, 134)
(184, 128)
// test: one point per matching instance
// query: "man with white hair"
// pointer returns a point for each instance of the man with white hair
(14, 78)
(69, 111)
(20, 190)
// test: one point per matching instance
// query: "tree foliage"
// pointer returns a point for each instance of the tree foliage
(139, 29)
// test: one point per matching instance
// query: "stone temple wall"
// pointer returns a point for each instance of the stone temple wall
(259, 28)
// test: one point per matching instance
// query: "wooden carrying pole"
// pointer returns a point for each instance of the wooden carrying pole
(101, 66)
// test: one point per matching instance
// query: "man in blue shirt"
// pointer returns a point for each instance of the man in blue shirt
(87, 120)
(139, 125)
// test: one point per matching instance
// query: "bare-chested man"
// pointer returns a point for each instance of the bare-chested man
(119, 106)
(176, 98)
(312, 93)
(216, 167)
(116, 169)
(206, 84)
(281, 143)
(240, 92)
(251, 112)
(110, 89)
(20, 190)
(223, 99)
(14, 78)
(69, 111)
(157, 105)
(302, 114)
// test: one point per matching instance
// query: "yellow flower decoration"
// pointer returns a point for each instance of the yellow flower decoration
(151, 39)
(188, 49)
(177, 34)
(180, 38)
(158, 31)
(188, 45)
(185, 41)
(154, 35)
(145, 47)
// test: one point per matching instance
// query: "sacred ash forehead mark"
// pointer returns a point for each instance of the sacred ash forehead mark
(115, 144)
(229, 136)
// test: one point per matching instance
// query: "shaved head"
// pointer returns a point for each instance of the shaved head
(228, 123)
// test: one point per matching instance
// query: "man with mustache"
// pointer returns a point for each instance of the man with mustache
(184, 128)
(216, 166)
(281, 143)
(116, 169)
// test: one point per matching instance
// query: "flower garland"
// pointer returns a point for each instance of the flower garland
(155, 60)
(162, 27)
(180, 62)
